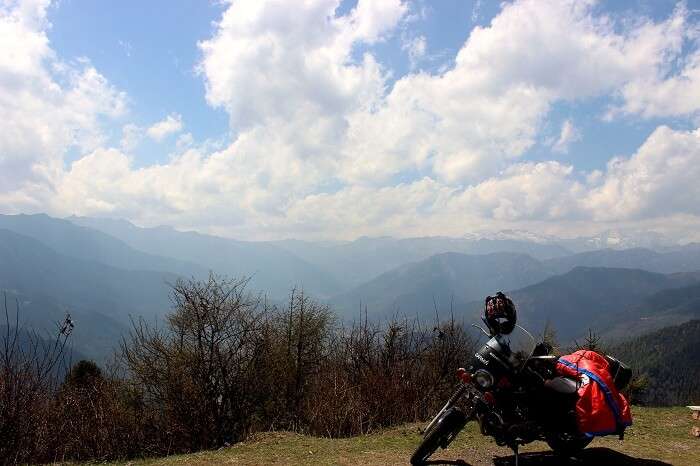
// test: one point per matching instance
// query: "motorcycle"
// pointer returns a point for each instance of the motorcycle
(513, 391)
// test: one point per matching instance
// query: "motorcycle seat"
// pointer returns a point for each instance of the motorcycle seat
(562, 385)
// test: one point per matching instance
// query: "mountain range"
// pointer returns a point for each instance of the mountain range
(104, 271)
(272, 268)
(46, 285)
(441, 283)
(604, 300)
(457, 281)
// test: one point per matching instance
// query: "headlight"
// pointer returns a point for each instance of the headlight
(483, 378)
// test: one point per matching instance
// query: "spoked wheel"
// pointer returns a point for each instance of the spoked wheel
(440, 435)
(568, 444)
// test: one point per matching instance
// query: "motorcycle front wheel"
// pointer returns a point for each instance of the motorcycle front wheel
(440, 434)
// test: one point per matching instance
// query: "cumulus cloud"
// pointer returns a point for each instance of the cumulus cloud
(265, 64)
(672, 86)
(47, 107)
(476, 118)
(169, 125)
(416, 48)
(322, 145)
(184, 141)
(131, 136)
(195, 189)
(659, 179)
(568, 135)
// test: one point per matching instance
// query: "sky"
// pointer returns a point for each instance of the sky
(334, 119)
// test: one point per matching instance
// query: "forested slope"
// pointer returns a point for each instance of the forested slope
(669, 358)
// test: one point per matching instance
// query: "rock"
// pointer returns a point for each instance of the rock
(695, 431)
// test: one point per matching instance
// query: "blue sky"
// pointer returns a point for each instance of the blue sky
(149, 49)
(268, 119)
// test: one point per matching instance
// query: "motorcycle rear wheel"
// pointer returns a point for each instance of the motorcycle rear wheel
(441, 434)
(568, 444)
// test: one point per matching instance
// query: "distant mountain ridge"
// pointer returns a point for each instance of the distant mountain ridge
(608, 239)
(332, 268)
(356, 262)
(105, 270)
(661, 309)
(274, 270)
(72, 240)
(325, 268)
(444, 280)
(101, 298)
(28, 266)
(685, 259)
(590, 297)
(384, 295)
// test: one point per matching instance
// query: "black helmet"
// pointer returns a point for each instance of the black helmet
(499, 314)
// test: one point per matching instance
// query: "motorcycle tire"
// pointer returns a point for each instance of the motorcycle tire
(440, 434)
(567, 444)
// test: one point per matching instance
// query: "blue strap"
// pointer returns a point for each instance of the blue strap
(609, 399)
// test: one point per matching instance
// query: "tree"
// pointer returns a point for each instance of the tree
(83, 373)
(197, 372)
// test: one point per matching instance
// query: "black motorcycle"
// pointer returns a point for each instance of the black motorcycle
(512, 390)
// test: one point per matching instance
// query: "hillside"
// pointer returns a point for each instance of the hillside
(414, 289)
(85, 243)
(584, 297)
(669, 358)
(100, 298)
(685, 259)
(94, 336)
(272, 268)
(588, 297)
(29, 267)
(662, 309)
(102, 273)
(659, 437)
(355, 262)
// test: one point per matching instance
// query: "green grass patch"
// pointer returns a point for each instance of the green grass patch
(658, 437)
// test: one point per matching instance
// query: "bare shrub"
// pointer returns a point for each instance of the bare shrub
(380, 375)
(196, 373)
(93, 417)
(28, 367)
(224, 364)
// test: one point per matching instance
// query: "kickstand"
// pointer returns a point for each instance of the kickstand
(516, 454)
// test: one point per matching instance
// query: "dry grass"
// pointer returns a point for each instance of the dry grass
(659, 436)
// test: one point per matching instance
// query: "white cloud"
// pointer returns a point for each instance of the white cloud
(568, 135)
(416, 48)
(46, 107)
(267, 63)
(322, 146)
(475, 11)
(659, 179)
(672, 86)
(131, 136)
(476, 118)
(195, 190)
(184, 141)
(545, 190)
(126, 46)
(678, 94)
(169, 125)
